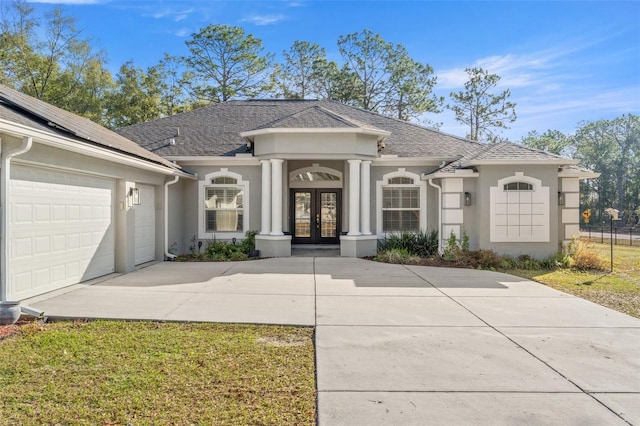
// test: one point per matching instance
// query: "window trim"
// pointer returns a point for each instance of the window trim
(417, 183)
(202, 187)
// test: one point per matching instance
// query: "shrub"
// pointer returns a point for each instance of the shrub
(396, 255)
(249, 243)
(457, 251)
(580, 256)
(485, 259)
(586, 259)
(426, 243)
(423, 243)
(238, 256)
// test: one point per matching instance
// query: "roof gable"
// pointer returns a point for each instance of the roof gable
(315, 117)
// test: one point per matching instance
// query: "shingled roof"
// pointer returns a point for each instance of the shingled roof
(215, 130)
(23, 109)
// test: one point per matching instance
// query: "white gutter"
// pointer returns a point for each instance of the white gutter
(166, 217)
(5, 188)
(439, 188)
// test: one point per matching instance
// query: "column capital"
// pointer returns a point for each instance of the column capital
(354, 161)
(366, 162)
(265, 161)
(276, 161)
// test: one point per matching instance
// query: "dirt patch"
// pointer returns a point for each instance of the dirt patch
(283, 341)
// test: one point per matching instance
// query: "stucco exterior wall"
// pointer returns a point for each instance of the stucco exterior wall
(489, 176)
(177, 208)
(300, 145)
(471, 213)
(48, 156)
(191, 204)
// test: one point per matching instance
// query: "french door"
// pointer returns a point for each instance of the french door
(315, 216)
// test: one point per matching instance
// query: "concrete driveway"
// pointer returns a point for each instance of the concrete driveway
(405, 345)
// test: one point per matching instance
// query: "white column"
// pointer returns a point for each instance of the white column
(276, 196)
(365, 198)
(266, 197)
(354, 197)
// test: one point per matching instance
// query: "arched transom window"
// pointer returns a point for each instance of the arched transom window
(315, 176)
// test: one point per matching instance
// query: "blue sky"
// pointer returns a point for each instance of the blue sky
(564, 61)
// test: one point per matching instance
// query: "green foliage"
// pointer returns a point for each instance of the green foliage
(387, 79)
(222, 251)
(455, 250)
(298, 78)
(480, 109)
(611, 148)
(396, 255)
(227, 64)
(552, 141)
(136, 97)
(422, 244)
(51, 62)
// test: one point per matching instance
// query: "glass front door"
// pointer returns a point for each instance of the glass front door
(315, 216)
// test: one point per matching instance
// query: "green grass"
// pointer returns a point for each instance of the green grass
(619, 290)
(144, 373)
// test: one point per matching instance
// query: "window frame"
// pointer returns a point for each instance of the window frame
(205, 184)
(418, 184)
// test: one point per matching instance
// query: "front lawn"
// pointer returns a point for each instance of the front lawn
(110, 372)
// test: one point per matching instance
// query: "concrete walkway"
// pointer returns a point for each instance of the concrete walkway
(405, 345)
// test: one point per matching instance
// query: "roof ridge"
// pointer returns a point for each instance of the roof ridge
(410, 123)
(539, 151)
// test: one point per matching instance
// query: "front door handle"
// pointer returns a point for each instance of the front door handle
(317, 221)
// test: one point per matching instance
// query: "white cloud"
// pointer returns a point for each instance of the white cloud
(543, 68)
(183, 32)
(174, 15)
(264, 19)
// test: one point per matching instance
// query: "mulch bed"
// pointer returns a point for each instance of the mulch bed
(9, 330)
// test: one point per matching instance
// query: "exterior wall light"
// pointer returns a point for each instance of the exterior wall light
(560, 198)
(467, 198)
(134, 196)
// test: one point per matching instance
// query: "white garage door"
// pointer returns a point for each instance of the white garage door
(145, 214)
(62, 229)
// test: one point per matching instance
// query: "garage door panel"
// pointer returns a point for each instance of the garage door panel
(62, 231)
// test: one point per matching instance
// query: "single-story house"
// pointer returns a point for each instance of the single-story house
(321, 172)
(79, 201)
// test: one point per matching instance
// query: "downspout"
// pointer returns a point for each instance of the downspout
(5, 177)
(439, 188)
(168, 255)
